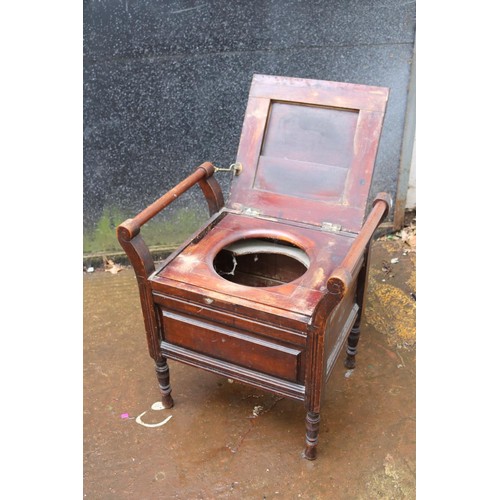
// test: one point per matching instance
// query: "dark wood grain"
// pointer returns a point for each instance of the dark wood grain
(233, 345)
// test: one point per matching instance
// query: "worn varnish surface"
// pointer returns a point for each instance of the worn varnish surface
(195, 264)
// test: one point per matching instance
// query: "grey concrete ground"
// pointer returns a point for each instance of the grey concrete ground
(226, 440)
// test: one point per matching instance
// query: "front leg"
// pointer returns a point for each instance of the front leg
(162, 372)
(312, 431)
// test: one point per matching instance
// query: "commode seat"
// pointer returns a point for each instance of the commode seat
(193, 267)
(269, 290)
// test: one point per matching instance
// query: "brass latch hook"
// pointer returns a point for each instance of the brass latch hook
(237, 168)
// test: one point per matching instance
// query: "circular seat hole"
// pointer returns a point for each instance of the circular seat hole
(261, 262)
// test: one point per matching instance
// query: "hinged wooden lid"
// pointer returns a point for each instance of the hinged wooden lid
(308, 149)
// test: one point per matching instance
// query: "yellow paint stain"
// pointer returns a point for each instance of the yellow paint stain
(392, 312)
(412, 280)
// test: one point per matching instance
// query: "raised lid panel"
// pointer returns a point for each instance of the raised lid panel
(306, 151)
(308, 148)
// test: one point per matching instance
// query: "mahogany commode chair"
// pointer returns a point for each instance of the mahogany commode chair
(270, 288)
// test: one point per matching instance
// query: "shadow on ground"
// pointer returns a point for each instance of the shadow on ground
(227, 440)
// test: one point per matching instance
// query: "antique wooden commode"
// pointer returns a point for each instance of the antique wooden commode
(270, 288)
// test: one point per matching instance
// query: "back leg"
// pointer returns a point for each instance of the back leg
(353, 339)
(352, 344)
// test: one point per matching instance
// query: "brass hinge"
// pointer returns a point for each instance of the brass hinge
(250, 211)
(330, 227)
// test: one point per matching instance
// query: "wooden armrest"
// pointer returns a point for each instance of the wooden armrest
(128, 232)
(131, 227)
(342, 278)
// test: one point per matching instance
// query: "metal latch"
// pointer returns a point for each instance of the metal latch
(237, 168)
(330, 227)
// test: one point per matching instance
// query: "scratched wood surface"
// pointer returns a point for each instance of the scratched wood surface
(195, 264)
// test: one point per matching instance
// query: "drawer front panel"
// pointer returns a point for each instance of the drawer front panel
(230, 345)
(204, 312)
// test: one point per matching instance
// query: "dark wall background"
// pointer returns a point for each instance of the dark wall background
(166, 84)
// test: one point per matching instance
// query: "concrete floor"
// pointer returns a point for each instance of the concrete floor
(227, 440)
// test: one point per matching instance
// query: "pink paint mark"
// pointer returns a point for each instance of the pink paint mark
(124, 415)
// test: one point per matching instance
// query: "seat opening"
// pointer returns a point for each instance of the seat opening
(261, 262)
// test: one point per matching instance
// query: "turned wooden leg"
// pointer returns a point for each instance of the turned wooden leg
(164, 380)
(353, 339)
(312, 431)
(352, 344)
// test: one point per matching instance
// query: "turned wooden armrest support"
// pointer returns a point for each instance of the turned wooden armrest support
(342, 278)
(131, 227)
